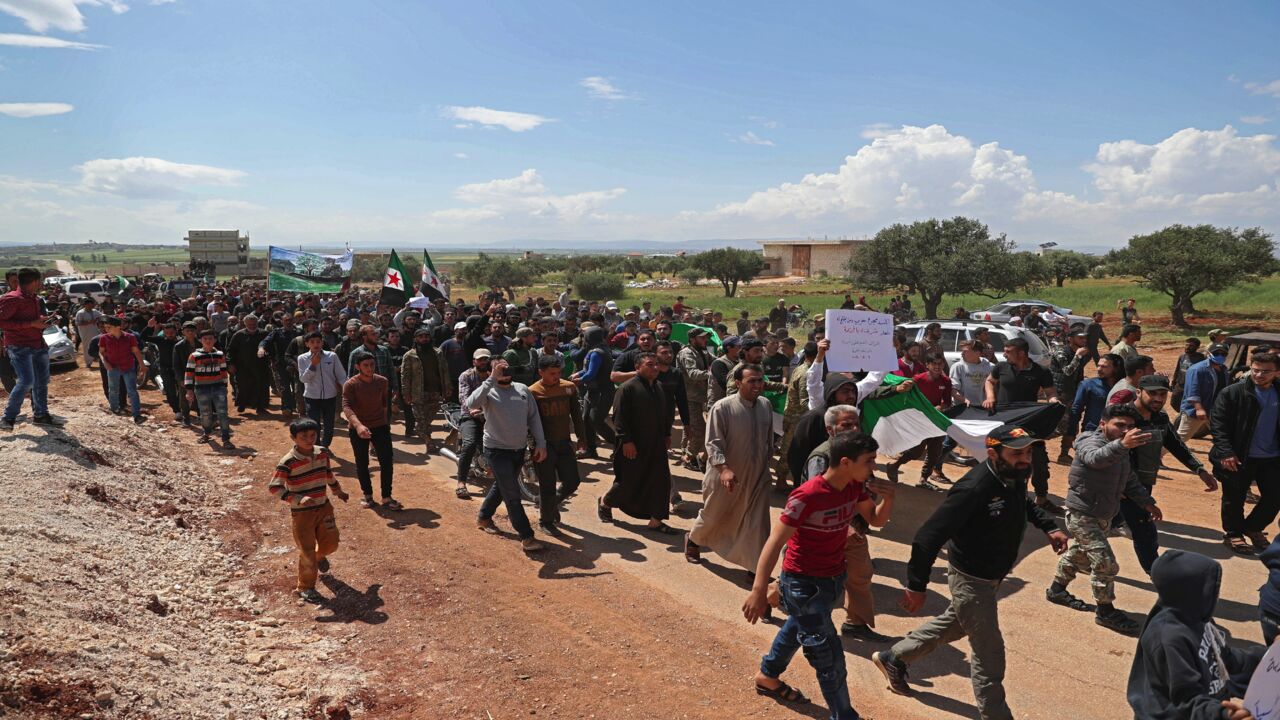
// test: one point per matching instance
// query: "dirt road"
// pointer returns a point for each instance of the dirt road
(65, 267)
(610, 622)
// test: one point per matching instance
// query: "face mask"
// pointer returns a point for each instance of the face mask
(1217, 359)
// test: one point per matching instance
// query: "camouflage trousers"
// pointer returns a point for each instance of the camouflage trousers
(425, 410)
(781, 470)
(1089, 552)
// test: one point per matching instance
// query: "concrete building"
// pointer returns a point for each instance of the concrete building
(808, 257)
(226, 250)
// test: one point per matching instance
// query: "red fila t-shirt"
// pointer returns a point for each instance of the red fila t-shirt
(822, 515)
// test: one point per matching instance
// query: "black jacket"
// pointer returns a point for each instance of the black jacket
(810, 430)
(1146, 458)
(981, 521)
(1175, 671)
(1233, 421)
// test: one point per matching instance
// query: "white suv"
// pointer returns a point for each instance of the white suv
(955, 331)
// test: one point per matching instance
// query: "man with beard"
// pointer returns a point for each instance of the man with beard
(597, 364)
(276, 345)
(251, 369)
(695, 363)
(982, 521)
(1100, 474)
(522, 356)
(624, 368)
(672, 381)
(1153, 394)
(424, 383)
(1067, 365)
(752, 354)
(642, 479)
(734, 519)
(511, 418)
(349, 343)
(1018, 379)
(718, 380)
(560, 412)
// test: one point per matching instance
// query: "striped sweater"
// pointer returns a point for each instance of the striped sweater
(206, 369)
(301, 477)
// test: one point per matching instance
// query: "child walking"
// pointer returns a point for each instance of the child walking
(302, 479)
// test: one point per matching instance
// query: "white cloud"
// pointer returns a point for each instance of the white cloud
(602, 89)
(876, 130)
(513, 121)
(1264, 88)
(750, 138)
(461, 155)
(147, 177)
(527, 195)
(1216, 176)
(41, 15)
(40, 41)
(30, 110)
(1255, 119)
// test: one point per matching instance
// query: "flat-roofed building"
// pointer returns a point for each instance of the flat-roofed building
(809, 256)
(227, 251)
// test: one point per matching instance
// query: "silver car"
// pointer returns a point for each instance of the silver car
(956, 331)
(61, 350)
(1001, 312)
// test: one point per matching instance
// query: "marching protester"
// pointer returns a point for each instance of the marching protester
(424, 384)
(206, 383)
(303, 479)
(511, 418)
(121, 357)
(1126, 389)
(1190, 356)
(23, 324)
(1205, 380)
(597, 363)
(1018, 379)
(323, 378)
(250, 369)
(1245, 425)
(1093, 334)
(366, 405)
(734, 519)
(470, 419)
(182, 351)
(559, 410)
(1100, 475)
(1127, 347)
(981, 521)
(1067, 364)
(284, 367)
(812, 528)
(641, 475)
(695, 363)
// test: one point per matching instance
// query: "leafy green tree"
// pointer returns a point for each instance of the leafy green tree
(730, 266)
(936, 258)
(1182, 261)
(496, 273)
(1070, 265)
(597, 286)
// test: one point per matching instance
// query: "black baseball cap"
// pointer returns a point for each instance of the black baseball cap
(1154, 382)
(1217, 349)
(1012, 437)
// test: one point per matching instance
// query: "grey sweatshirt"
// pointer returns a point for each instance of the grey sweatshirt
(1100, 474)
(510, 415)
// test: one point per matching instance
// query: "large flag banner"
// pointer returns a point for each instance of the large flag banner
(680, 334)
(297, 271)
(394, 285)
(904, 420)
(431, 286)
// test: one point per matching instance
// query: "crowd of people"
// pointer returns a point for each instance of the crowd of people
(552, 381)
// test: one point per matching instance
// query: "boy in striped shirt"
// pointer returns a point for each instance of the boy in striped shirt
(302, 479)
(206, 381)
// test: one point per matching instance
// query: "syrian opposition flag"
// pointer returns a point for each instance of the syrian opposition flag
(902, 421)
(431, 287)
(124, 286)
(394, 292)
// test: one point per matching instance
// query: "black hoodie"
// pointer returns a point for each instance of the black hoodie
(1183, 668)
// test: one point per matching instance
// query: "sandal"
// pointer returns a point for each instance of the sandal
(928, 485)
(392, 504)
(1238, 545)
(462, 493)
(367, 501)
(783, 693)
(663, 528)
(692, 553)
(604, 512)
(1259, 540)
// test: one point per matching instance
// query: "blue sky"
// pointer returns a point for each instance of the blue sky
(384, 123)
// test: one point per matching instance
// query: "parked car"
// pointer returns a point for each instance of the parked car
(99, 290)
(61, 350)
(1001, 312)
(955, 331)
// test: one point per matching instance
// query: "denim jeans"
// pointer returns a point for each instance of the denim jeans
(323, 410)
(506, 466)
(129, 378)
(1146, 541)
(808, 601)
(380, 439)
(470, 432)
(561, 464)
(31, 366)
(211, 404)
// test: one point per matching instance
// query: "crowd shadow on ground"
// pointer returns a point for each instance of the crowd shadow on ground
(583, 549)
(350, 605)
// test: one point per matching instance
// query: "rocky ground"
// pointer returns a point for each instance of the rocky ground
(120, 598)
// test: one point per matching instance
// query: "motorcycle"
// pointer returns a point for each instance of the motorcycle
(481, 473)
